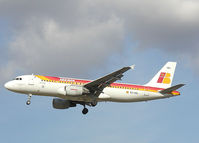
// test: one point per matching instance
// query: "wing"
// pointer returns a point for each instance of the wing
(96, 87)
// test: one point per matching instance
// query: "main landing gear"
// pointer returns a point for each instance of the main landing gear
(85, 110)
(29, 99)
(93, 103)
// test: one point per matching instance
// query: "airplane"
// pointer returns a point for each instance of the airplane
(69, 92)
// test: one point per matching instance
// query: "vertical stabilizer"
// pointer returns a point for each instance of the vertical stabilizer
(164, 78)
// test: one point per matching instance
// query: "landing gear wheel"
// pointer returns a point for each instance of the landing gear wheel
(29, 98)
(94, 103)
(28, 102)
(85, 111)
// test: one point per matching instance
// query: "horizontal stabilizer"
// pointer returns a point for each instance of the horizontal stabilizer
(170, 89)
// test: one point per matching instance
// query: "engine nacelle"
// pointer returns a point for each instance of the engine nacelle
(62, 104)
(73, 90)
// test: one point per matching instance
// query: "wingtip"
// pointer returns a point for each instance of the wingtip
(183, 84)
(132, 67)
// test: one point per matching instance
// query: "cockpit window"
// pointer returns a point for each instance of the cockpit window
(18, 78)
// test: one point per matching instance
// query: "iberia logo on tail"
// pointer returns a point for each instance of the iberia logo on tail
(164, 78)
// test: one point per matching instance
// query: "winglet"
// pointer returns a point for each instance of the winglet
(132, 67)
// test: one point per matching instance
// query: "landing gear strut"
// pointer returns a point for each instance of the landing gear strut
(85, 110)
(94, 103)
(29, 98)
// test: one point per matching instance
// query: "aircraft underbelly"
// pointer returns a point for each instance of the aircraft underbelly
(119, 95)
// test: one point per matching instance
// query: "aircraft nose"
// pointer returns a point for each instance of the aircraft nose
(8, 85)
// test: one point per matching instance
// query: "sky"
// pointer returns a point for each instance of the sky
(88, 39)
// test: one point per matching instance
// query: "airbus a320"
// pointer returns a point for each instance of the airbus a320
(69, 92)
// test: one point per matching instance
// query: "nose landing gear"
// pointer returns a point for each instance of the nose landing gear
(29, 99)
(28, 102)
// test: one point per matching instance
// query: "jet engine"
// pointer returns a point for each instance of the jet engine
(73, 90)
(62, 104)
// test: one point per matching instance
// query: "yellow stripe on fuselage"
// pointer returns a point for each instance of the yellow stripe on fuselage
(41, 77)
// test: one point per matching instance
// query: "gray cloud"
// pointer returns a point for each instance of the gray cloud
(51, 35)
(49, 47)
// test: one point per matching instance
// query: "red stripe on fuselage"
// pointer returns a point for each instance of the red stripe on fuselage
(117, 85)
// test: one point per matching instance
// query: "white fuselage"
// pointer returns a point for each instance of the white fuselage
(30, 84)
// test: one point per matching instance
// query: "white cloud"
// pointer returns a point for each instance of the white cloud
(6, 72)
(53, 36)
(47, 47)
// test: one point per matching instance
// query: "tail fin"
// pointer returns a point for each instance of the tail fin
(164, 78)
